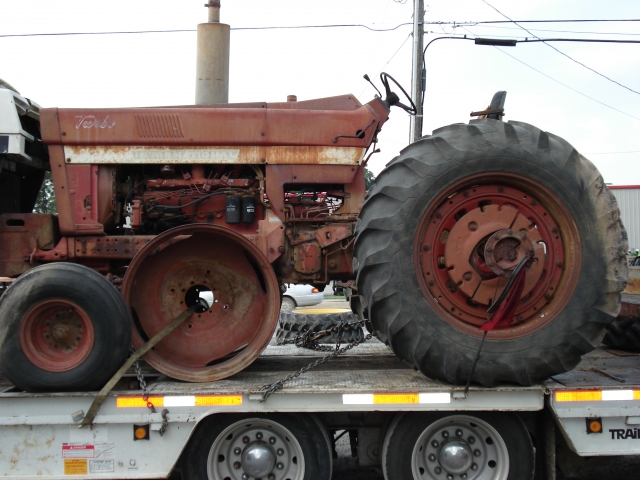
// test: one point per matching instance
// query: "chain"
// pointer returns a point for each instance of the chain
(143, 384)
(309, 339)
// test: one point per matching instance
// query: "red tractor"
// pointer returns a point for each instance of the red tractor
(171, 205)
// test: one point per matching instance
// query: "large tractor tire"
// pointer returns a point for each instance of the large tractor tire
(425, 275)
(62, 327)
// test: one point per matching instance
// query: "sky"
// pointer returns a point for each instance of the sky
(545, 88)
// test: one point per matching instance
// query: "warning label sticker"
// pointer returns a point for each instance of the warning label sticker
(106, 450)
(74, 450)
(77, 466)
(101, 466)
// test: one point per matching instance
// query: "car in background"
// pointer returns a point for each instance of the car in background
(300, 296)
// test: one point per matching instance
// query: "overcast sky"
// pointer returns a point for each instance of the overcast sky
(267, 65)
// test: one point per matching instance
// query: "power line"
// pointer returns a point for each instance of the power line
(566, 86)
(562, 53)
(276, 27)
(133, 32)
(561, 31)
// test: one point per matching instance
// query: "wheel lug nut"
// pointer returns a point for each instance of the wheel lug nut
(280, 466)
(473, 226)
(280, 452)
(272, 440)
(236, 465)
(467, 276)
(474, 466)
(432, 458)
(245, 439)
(237, 451)
(245, 476)
(259, 435)
(438, 470)
(471, 440)
(458, 433)
(435, 444)
(271, 476)
(449, 477)
(445, 434)
(476, 453)
(463, 476)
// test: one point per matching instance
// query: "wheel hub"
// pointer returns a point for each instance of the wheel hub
(56, 335)
(472, 237)
(455, 456)
(258, 459)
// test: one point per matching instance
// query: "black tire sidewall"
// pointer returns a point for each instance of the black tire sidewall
(585, 292)
(317, 456)
(397, 306)
(407, 431)
(102, 303)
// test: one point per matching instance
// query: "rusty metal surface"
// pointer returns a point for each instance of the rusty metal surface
(56, 335)
(217, 342)
(212, 126)
(223, 154)
(452, 242)
(20, 235)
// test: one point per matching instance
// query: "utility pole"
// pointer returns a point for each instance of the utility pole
(417, 69)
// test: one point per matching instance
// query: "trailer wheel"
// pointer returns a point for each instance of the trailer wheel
(478, 446)
(624, 334)
(430, 243)
(62, 327)
(252, 446)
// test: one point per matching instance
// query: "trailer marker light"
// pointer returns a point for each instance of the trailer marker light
(597, 395)
(140, 432)
(594, 425)
(395, 398)
(180, 401)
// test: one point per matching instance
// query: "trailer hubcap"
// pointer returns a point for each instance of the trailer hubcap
(56, 335)
(256, 448)
(474, 235)
(460, 447)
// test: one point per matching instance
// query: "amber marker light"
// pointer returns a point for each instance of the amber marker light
(141, 432)
(594, 425)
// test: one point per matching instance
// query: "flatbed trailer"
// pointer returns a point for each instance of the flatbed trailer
(592, 411)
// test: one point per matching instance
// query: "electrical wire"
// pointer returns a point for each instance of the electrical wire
(565, 85)
(453, 23)
(562, 53)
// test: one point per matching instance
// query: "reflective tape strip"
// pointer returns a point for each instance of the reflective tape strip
(596, 395)
(395, 398)
(180, 401)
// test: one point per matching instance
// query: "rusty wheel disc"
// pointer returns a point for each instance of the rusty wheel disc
(477, 231)
(56, 335)
(230, 274)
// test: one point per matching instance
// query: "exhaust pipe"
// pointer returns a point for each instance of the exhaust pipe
(212, 65)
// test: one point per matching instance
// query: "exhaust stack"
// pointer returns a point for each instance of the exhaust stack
(212, 64)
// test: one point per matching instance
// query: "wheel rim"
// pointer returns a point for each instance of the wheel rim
(287, 305)
(256, 449)
(56, 335)
(461, 447)
(214, 343)
(476, 232)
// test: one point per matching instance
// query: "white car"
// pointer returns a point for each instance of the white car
(300, 296)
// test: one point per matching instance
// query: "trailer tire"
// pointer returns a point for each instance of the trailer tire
(491, 446)
(291, 325)
(287, 444)
(402, 235)
(624, 334)
(63, 327)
